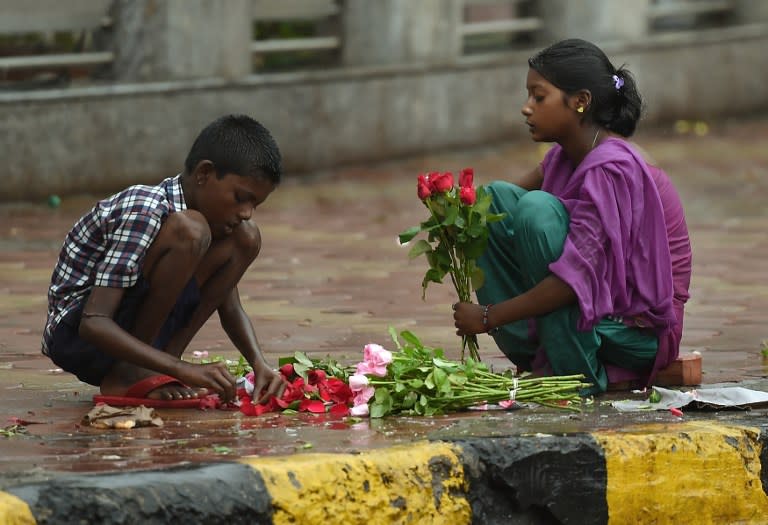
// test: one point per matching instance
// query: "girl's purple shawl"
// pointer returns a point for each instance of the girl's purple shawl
(616, 255)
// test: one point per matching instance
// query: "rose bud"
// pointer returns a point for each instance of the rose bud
(286, 370)
(423, 188)
(467, 177)
(443, 182)
(467, 195)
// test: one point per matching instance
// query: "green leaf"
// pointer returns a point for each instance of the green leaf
(419, 248)
(415, 384)
(477, 278)
(410, 337)
(473, 250)
(410, 400)
(457, 379)
(302, 358)
(409, 234)
(434, 275)
(301, 369)
(477, 229)
(494, 217)
(451, 215)
(440, 377)
(451, 366)
(376, 410)
(429, 381)
(393, 336)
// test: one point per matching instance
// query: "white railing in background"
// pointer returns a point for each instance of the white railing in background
(684, 14)
(505, 21)
(294, 10)
(49, 16)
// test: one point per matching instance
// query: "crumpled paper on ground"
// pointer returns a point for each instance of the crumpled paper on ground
(106, 416)
(715, 397)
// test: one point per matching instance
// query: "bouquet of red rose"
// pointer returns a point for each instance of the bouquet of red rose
(457, 234)
(311, 386)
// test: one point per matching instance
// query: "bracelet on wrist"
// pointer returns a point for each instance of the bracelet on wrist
(486, 323)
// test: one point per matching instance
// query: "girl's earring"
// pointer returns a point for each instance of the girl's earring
(581, 109)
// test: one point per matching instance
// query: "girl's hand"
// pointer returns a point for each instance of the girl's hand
(468, 318)
(266, 383)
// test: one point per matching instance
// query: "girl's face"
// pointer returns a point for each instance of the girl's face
(546, 113)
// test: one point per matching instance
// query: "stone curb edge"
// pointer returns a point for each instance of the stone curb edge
(644, 474)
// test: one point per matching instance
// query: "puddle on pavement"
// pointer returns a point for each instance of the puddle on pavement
(55, 440)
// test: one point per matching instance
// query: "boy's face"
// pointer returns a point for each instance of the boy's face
(227, 201)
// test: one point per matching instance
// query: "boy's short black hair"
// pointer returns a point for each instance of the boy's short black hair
(237, 144)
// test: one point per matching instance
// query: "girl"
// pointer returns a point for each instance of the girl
(589, 271)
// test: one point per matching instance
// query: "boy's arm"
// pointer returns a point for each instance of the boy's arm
(98, 327)
(239, 329)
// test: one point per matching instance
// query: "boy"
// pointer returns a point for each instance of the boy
(141, 273)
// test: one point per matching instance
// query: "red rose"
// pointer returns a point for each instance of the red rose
(423, 188)
(467, 178)
(339, 391)
(467, 195)
(442, 182)
(287, 370)
(316, 376)
(312, 405)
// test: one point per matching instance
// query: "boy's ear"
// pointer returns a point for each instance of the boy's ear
(203, 171)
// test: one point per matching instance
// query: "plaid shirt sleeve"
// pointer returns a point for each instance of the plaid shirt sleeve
(127, 239)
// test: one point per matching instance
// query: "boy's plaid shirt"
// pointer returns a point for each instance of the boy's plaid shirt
(107, 245)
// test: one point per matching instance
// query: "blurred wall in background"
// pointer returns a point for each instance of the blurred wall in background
(99, 94)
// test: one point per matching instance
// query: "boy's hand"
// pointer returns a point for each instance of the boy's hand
(266, 383)
(213, 376)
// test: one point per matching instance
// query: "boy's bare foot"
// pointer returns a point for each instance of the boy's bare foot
(120, 379)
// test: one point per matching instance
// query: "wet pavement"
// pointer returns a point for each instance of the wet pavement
(331, 278)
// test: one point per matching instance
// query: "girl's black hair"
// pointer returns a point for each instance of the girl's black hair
(574, 64)
(237, 144)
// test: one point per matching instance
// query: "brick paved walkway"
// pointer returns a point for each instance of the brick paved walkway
(331, 276)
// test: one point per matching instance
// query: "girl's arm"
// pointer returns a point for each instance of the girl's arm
(549, 295)
(532, 180)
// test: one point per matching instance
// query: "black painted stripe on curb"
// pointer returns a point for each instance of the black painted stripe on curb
(227, 493)
(684, 472)
(533, 479)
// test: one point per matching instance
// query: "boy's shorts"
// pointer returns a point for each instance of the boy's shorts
(77, 356)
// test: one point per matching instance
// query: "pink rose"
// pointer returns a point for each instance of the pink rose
(364, 395)
(423, 188)
(368, 368)
(375, 360)
(359, 410)
(467, 195)
(377, 354)
(442, 182)
(467, 178)
(357, 382)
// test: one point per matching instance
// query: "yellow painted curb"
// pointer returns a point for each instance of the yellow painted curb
(699, 472)
(14, 511)
(419, 483)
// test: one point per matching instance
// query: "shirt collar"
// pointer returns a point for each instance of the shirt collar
(175, 193)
